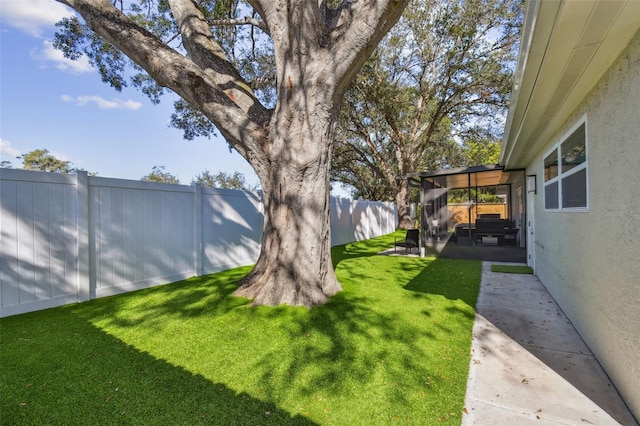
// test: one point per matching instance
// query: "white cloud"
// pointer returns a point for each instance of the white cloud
(33, 16)
(7, 152)
(101, 102)
(50, 54)
(60, 156)
(7, 149)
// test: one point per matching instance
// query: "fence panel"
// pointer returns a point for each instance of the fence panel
(361, 220)
(388, 217)
(142, 234)
(68, 238)
(341, 222)
(232, 223)
(38, 218)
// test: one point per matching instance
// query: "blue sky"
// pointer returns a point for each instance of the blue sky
(49, 102)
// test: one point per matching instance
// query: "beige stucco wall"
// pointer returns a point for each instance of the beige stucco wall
(590, 261)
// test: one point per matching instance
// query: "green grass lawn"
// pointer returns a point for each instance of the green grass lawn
(392, 347)
(512, 269)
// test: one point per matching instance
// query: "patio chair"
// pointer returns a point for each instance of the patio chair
(411, 240)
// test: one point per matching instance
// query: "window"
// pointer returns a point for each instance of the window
(565, 173)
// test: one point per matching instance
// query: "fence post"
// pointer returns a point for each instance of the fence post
(197, 229)
(83, 259)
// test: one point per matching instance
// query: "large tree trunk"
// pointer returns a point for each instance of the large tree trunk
(295, 266)
(403, 203)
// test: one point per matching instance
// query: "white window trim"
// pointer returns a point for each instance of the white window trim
(557, 148)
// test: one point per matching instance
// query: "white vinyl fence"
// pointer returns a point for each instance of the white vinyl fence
(71, 238)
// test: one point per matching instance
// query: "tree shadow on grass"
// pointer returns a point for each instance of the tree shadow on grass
(59, 367)
(449, 278)
(365, 248)
(353, 364)
(209, 295)
(382, 351)
(374, 341)
(59, 370)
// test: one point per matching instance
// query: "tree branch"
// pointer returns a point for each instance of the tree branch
(245, 129)
(356, 30)
(242, 21)
(209, 55)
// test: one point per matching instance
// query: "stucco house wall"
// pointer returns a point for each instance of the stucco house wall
(590, 261)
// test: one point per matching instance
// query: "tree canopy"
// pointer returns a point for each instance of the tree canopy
(434, 91)
(43, 161)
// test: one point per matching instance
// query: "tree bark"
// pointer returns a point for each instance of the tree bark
(294, 266)
(403, 203)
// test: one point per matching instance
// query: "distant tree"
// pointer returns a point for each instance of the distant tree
(88, 173)
(159, 175)
(5, 164)
(223, 180)
(477, 152)
(442, 74)
(480, 195)
(41, 160)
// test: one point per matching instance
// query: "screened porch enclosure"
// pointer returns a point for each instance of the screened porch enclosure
(480, 205)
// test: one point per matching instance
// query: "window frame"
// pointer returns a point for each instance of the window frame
(560, 176)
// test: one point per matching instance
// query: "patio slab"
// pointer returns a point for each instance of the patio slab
(528, 364)
(446, 247)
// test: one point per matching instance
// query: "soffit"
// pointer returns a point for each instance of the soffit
(568, 46)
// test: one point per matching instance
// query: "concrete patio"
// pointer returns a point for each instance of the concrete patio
(529, 365)
(446, 246)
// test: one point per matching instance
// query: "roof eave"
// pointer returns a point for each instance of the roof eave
(567, 46)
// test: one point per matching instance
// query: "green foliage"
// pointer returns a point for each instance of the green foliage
(41, 160)
(480, 195)
(478, 152)
(191, 121)
(247, 48)
(475, 152)
(392, 347)
(159, 175)
(223, 180)
(76, 39)
(441, 76)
